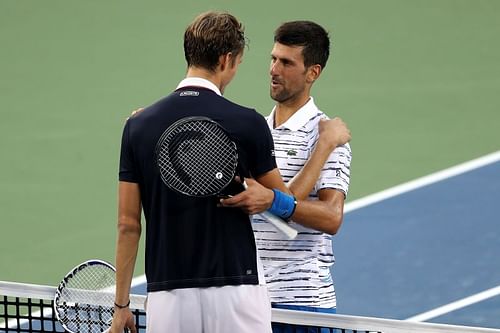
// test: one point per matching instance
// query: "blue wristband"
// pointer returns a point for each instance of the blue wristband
(283, 205)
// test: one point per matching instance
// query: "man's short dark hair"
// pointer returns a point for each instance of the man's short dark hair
(211, 35)
(313, 37)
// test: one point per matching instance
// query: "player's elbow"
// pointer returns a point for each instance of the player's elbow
(128, 225)
(333, 222)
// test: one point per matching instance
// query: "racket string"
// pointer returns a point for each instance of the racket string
(197, 158)
(85, 303)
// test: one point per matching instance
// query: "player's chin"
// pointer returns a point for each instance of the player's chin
(279, 96)
(275, 93)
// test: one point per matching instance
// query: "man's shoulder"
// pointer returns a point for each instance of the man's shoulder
(311, 125)
(244, 109)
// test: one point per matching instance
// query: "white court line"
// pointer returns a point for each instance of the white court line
(423, 181)
(479, 297)
(138, 280)
(407, 187)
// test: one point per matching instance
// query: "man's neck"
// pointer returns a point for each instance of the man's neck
(285, 111)
(205, 74)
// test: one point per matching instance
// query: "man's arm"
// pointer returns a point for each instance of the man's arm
(332, 134)
(325, 214)
(127, 244)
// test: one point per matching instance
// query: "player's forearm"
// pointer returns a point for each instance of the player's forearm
(127, 245)
(127, 242)
(303, 182)
(332, 134)
(319, 215)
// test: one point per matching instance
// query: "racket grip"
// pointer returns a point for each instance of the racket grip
(278, 222)
(281, 225)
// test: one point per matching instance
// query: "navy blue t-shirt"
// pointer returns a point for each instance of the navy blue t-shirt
(190, 242)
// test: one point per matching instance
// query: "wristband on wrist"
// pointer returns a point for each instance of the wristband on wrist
(283, 205)
(122, 306)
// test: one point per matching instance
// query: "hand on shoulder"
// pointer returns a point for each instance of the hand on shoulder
(333, 132)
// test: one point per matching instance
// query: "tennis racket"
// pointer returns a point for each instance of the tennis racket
(84, 300)
(197, 158)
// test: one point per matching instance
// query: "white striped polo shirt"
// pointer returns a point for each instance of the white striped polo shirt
(298, 271)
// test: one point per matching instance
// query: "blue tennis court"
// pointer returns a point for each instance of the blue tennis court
(425, 248)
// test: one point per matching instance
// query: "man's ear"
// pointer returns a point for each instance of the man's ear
(225, 60)
(313, 73)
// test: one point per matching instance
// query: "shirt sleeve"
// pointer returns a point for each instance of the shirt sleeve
(262, 159)
(127, 171)
(336, 173)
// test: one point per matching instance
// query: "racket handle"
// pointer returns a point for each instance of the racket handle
(281, 225)
(278, 222)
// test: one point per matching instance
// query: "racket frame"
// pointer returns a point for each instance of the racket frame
(70, 275)
(171, 129)
(278, 222)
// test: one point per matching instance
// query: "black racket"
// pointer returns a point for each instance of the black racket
(84, 300)
(197, 158)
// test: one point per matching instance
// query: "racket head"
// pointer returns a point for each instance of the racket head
(84, 300)
(196, 157)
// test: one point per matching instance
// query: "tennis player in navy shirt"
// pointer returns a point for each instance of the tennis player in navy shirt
(202, 268)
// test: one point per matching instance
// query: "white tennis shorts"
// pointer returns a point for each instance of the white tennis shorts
(228, 309)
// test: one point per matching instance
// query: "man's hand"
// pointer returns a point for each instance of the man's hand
(255, 199)
(123, 318)
(333, 132)
(135, 112)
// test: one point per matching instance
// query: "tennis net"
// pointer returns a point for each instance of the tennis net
(28, 308)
